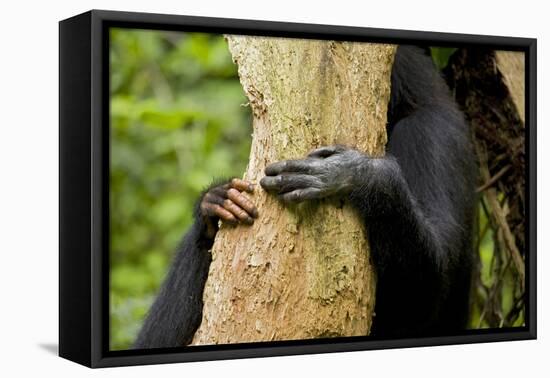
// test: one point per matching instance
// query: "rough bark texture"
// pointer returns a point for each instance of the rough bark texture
(302, 271)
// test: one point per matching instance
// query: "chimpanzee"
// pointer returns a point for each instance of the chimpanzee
(417, 204)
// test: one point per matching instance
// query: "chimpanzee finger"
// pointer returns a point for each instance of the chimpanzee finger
(289, 182)
(215, 210)
(242, 185)
(302, 165)
(301, 195)
(326, 151)
(237, 211)
(241, 200)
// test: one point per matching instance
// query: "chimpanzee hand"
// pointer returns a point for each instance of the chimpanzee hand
(327, 171)
(226, 202)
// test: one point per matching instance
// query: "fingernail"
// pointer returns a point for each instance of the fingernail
(251, 187)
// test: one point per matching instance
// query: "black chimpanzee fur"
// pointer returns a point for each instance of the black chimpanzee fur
(417, 204)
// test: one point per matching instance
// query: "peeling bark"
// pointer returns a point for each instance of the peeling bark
(303, 271)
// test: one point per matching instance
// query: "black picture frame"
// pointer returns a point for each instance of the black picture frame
(84, 186)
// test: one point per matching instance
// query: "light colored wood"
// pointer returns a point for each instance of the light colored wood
(511, 65)
(303, 271)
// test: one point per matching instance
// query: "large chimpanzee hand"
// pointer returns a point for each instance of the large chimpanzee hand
(327, 171)
(226, 202)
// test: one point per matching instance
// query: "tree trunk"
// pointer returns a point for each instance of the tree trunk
(301, 271)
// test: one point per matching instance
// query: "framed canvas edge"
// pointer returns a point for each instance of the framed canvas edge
(99, 138)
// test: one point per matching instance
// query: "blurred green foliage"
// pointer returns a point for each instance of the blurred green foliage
(177, 122)
(179, 119)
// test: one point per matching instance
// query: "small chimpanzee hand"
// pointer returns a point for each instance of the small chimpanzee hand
(226, 202)
(327, 171)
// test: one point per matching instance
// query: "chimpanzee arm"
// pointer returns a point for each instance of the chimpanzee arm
(423, 245)
(417, 204)
(177, 310)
